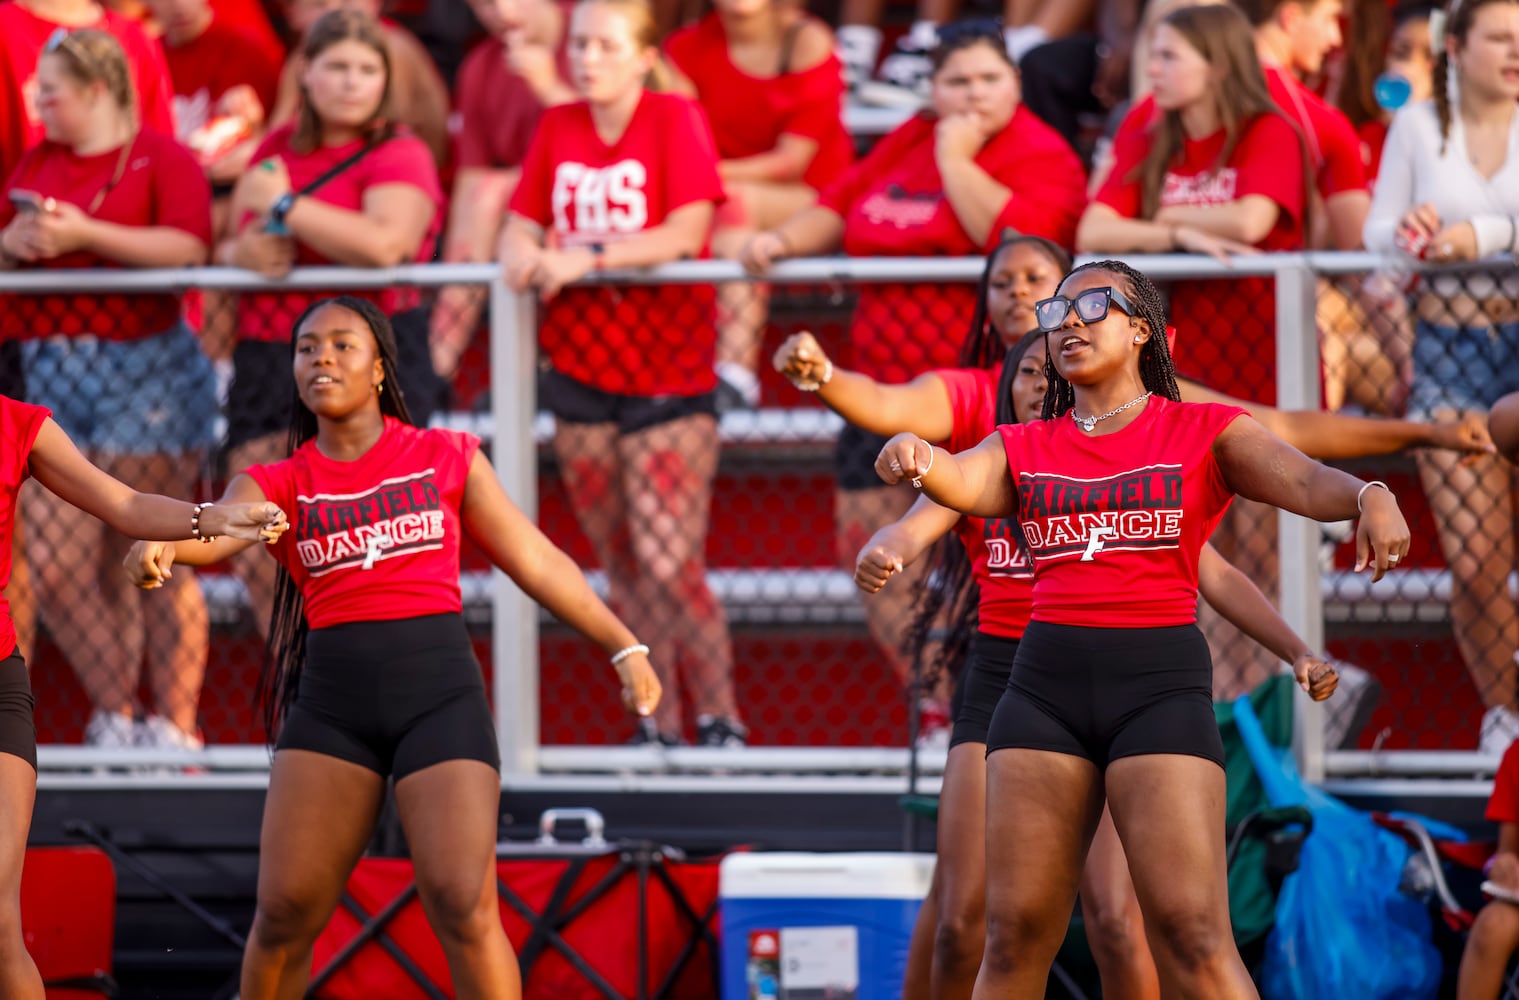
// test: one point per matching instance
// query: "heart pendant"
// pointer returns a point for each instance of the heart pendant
(1087, 424)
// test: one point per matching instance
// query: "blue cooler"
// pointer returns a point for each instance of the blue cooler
(819, 926)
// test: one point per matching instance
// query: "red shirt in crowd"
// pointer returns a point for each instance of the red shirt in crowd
(377, 538)
(893, 205)
(1115, 522)
(206, 67)
(640, 340)
(160, 185)
(750, 114)
(250, 18)
(1373, 136)
(495, 111)
(401, 159)
(22, 37)
(1002, 569)
(1227, 328)
(1503, 804)
(20, 423)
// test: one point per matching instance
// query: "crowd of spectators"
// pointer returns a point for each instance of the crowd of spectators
(561, 138)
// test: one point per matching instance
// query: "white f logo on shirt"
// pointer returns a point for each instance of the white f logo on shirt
(1094, 540)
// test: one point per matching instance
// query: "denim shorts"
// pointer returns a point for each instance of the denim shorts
(129, 397)
(1462, 367)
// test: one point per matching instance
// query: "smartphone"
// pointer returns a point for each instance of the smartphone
(25, 201)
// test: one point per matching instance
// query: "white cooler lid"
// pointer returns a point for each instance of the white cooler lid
(797, 875)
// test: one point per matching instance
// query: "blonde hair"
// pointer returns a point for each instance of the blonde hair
(342, 25)
(640, 17)
(91, 56)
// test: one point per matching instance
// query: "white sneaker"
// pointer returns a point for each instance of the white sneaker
(1500, 727)
(158, 733)
(111, 730)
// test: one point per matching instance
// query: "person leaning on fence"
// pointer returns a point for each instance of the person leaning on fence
(1114, 600)
(1494, 936)
(1449, 191)
(33, 445)
(372, 672)
(765, 73)
(948, 182)
(123, 374)
(627, 177)
(342, 186)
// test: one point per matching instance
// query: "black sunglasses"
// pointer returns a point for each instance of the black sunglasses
(1091, 306)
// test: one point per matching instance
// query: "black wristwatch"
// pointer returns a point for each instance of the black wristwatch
(598, 255)
(278, 211)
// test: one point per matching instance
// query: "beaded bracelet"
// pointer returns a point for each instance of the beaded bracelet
(627, 651)
(195, 524)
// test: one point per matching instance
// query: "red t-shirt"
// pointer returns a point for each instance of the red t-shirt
(401, 159)
(1503, 804)
(495, 111)
(206, 67)
(1154, 493)
(1002, 570)
(1373, 136)
(20, 424)
(640, 340)
(893, 205)
(1226, 328)
(250, 18)
(749, 114)
(377, 538)
(22, 36)
(161, 185)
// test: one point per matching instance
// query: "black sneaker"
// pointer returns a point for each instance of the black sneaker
(720, 731)
(648, 733)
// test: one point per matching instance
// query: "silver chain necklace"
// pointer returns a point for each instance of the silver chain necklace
(1089, 424)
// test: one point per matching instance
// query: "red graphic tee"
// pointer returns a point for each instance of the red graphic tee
(22, 37)
(640, 340)
(1115, 523)
(893, 205)
(20, 424)
(1002, 569)
(160, 185)
(375, 539)
(401, 159)
(749, 114)
(1226, 328)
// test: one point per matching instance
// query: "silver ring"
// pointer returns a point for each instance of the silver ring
(1392, 558)
(896, 466)
(1447, 250)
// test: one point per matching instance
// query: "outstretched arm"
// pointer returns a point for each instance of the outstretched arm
(1233, 595)
(974, 482)
(548, 576)
(1259, 465)
(901, 543)
(150, 563)
(921, 406)
(1330, 436)
(58, 465)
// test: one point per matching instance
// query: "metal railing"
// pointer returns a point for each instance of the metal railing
(515, 434)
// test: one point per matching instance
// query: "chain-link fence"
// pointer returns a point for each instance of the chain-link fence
(725, 535)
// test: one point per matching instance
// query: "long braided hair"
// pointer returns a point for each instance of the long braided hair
(1458, 24)
(279, 678)
(950, 588)
(1157, 372)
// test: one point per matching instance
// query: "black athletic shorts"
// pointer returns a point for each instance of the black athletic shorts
(262, 393)
(393, 696)
(982, 681)
(574, 402)
(855, 456)
(18, 729)
(1106, 693)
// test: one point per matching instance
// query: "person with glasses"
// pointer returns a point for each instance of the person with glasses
(948, 182)
(123, 374)
(1115, 492)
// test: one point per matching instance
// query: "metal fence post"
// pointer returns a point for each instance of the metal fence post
(1301, 600)
(514, 617)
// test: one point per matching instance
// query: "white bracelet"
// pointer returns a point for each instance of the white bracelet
(1362, 492)
(627, 651)
(917, 481)
(195, 531)
(817, 384)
